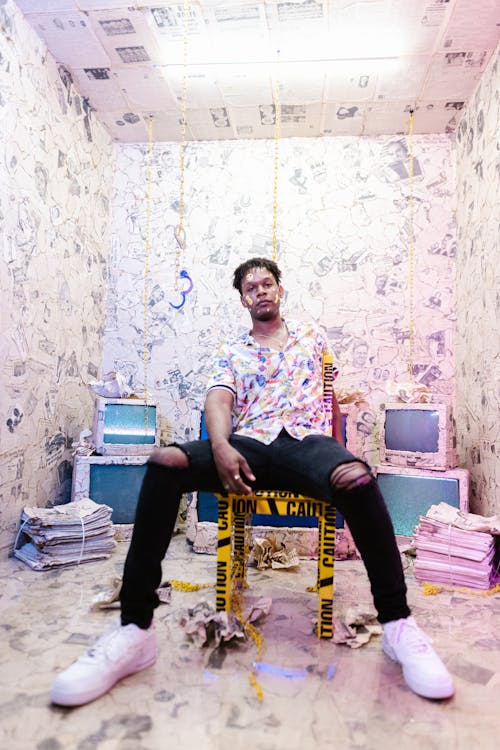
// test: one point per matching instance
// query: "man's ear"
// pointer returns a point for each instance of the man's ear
(281, 291)
(243, 302)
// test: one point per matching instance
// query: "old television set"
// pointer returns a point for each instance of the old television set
(125, 426)
(207, 502)
(112, 480)
(418, 435)
(409, 493)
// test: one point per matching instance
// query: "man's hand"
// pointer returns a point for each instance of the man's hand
(231, 465)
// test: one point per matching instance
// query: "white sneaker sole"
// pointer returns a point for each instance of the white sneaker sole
(61, 695)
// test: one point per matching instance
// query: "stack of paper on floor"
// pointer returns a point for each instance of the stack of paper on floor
(65, 534)
(456, 548)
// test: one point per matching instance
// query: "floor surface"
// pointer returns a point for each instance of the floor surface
(315, 694)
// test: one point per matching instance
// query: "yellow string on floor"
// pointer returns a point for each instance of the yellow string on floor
(187, 586)
(430, 589)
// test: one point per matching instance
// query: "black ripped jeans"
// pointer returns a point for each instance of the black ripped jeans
(301, 466)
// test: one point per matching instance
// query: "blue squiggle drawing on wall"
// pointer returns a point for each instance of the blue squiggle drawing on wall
(184, 275)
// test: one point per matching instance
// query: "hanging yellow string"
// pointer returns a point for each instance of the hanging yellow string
(411, 253)
(180, 232)
(146, 269)
(277, 123)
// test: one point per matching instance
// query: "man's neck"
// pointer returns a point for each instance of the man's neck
(268, 327)
(271, 334)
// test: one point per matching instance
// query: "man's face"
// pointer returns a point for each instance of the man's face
(260, 294)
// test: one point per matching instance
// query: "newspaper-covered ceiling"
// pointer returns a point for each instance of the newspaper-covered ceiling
(340, 67)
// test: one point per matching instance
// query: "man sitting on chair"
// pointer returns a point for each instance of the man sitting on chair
(267, 428)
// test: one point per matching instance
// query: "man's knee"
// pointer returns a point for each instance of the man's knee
(172, 457)
(350, 475)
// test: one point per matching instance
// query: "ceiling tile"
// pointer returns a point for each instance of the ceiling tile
(242, 86)
(454, 75)
(70, 38)
(473, 26)
(145, 88)
(125, 36)
(402, 78)
(343, 118)
(100, 87)
(355, 81)
(385, 118)
(135, 131)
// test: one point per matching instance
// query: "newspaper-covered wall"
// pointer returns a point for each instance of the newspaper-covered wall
(55, 183)
(478, 282)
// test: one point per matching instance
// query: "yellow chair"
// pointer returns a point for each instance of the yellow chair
(235, 511)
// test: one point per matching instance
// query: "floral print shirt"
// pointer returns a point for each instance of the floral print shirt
(274, 389)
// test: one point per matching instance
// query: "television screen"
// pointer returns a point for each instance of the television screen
(418, 435)
(125, 426)
(412, 430)
(129, 423)
(409, 493)
(118, 487)
(112, 480)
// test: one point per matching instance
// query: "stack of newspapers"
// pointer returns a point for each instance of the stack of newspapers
(65, 534)
(457, 548)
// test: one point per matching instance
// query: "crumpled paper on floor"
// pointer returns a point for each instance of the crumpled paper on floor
(269, 553)
(110, 598)
(207, 627)
(355, 628)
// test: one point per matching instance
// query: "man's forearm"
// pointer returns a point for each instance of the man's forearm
(232, 467)
(218, 407)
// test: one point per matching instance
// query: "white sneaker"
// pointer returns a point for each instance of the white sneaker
(123, 651)
(423, 670)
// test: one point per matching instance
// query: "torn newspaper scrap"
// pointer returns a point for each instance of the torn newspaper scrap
(355, 627)
(207, 627)
(269, 553)
(110, 597)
